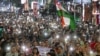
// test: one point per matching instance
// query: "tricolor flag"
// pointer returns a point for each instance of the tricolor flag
(66, 18)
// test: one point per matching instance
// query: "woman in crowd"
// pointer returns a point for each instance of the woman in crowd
(35, 52)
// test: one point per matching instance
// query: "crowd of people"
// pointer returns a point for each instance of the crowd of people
(21, 37)
(24, 47)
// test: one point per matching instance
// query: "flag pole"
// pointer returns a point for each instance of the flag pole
(74, 10)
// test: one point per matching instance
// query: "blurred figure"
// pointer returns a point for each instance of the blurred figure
(35, 51)
(46, 44)
(13, 52)
(86, 49)
(35, 44)
(28, 50)
(1, 52)
(50, 54)
(78, 51)
(59, 51)
(98, 49)
(42, 44)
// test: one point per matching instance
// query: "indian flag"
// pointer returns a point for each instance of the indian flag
(66, 18)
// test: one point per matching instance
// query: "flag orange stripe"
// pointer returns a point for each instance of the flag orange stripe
(62, 21)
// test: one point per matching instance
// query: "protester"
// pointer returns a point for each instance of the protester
(59, 51)
(13, 52)
(24, 36)
(35, 52)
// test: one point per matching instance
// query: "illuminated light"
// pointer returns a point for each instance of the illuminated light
(8, 48)
(18, 31)
(46, 34)
(67, 38)
(91, 52)
(26, 49)
(89, 41)
(71, 49)
(57, 36)
(23, 47)
(75, 37)
(84, 35)
(91, 27)
(99, 2)
(98, 30)
(7, 20)
(54, 25)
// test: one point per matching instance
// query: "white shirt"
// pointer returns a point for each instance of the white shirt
(12, 54)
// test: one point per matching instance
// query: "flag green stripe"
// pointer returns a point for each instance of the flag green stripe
(68, 15)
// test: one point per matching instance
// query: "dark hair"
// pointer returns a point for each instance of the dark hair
(36, 49)
(51, 54)
(52, 51)
(59, 47)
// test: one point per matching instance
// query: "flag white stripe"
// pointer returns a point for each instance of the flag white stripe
(66, 21)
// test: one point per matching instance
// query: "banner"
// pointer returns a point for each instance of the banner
(82, 1)
(43, 50)
(35, 7)
(34, 4)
